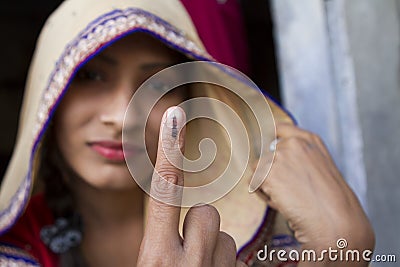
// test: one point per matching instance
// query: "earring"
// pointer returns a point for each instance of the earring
(63, 235)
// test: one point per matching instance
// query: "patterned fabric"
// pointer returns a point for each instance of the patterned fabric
(22, 243)
(266, 236)
(9, 215)
(13, 257)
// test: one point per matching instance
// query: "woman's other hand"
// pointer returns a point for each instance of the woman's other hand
(202, 244)
(306, 187)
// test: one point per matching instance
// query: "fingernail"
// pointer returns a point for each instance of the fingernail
(175, 120)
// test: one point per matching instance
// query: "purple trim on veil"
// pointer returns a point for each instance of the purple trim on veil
(23, 190)
(13, 256)
(265, 93)
(263, 233)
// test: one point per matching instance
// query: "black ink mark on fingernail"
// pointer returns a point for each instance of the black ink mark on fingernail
(174, 127)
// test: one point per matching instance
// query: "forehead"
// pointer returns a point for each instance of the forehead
(139, 42)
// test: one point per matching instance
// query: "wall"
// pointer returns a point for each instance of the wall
(374, 29)
(339, 69)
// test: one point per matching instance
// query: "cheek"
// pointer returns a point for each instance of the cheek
(65, 128)
(71, 117)
(76, 109)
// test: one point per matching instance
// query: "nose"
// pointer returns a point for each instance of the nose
(114, 109)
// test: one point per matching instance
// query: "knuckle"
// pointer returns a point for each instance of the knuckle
(295, 141)
(227, 241)
(315, 139)
(313, 136)
(318, 140)
(299, 144)
(310, 135)
(267, 189)
(226, 238)
(166, 191)
(166, 198)
(213, 220)
(168, 174)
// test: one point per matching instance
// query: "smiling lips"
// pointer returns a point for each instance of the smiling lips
(112, 150)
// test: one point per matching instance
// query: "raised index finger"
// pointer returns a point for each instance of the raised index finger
(167, 182)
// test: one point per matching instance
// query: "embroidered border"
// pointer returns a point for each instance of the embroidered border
(263, 235)
(17, 204)
(11, 256)
(11, 262)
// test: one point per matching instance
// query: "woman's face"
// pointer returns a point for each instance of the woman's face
(89, 120)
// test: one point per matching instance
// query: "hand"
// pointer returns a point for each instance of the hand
(305, 186)
(203, 244)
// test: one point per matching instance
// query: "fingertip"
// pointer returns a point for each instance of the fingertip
(206, 209)
(172, 130)
(175, 116)
(205, 214)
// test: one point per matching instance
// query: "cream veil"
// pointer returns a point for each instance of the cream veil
(74, 33)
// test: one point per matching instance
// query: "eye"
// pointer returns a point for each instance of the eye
(89, 75)
(159, 86)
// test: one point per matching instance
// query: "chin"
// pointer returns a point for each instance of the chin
(119, 184)
(111, 177)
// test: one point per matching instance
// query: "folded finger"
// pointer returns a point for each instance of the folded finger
(200, 231)
(225, 251)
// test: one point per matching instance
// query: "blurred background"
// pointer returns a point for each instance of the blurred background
(333, 63)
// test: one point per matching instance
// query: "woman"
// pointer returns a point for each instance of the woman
(68, 198)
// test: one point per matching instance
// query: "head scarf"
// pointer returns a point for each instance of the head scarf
(74, 33)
